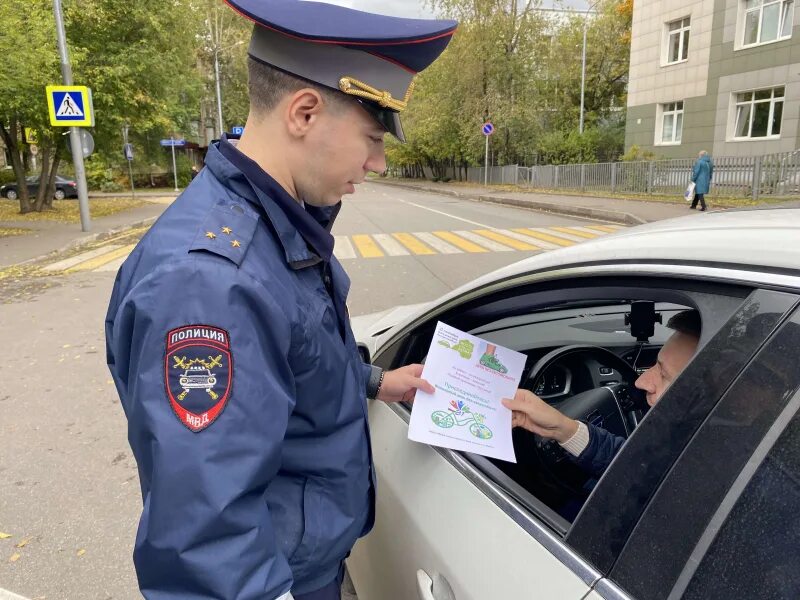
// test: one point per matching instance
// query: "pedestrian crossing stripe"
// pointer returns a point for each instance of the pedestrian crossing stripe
(110, 257)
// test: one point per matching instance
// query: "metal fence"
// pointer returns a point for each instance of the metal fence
(772, 175)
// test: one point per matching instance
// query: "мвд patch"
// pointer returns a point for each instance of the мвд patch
(198, 373)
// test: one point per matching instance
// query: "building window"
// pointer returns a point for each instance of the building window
(671, 123)
(759, 113)
(678, 41)
(767, 21)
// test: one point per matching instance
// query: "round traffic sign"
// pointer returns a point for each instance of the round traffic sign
(87, 143)
(34, 149)
(488, 129)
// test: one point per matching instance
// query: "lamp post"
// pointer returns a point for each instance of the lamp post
(217, 50)
(74, 132)
(583, 61)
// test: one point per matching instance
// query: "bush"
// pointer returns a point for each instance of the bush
(7, 176)
(635, 154)
(100, 176)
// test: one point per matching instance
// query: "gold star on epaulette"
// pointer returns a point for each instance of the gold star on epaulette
(227, 230)
(236, 244)
(210, 235)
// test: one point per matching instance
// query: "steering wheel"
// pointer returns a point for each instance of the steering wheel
(605, 406)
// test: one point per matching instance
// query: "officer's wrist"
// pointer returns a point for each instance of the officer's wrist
(375, 381)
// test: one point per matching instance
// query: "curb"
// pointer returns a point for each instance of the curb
(549, 207)
(87, 239)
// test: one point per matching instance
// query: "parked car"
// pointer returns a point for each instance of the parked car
(702, 500)
(65, 188)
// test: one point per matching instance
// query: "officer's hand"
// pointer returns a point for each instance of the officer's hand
(401, 385)
(534, 414)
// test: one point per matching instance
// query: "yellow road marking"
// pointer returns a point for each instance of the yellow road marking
(579, 233)
(603, 228)
(504, 239)
(458, 241)
(367, 246)
(545, 237)
(94, 263)
(412, 243)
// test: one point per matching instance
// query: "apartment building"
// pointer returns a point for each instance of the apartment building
(715, 75)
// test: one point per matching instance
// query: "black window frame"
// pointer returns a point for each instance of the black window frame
(677, 515)
(705, 295)
(640, 468)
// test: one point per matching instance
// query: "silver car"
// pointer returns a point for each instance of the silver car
(702, 500)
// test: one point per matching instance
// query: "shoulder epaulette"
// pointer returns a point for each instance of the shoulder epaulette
(227, 230)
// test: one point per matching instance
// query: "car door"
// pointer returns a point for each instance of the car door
(442, 519)
(446, 532)
(723, 523)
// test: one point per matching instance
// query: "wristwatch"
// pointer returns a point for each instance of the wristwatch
(375, 381)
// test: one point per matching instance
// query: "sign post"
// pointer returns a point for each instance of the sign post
(127, 150)
(172, 142)
(67, 114)
(487, 130)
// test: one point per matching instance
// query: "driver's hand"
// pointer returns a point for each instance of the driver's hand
(534, 414)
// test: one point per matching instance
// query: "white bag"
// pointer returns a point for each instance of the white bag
(688, 195)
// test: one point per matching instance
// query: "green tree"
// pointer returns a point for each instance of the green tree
(30, 61)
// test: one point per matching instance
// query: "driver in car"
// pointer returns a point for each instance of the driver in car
(593, 448)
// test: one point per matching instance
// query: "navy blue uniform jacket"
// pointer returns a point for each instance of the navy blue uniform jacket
(244, 392)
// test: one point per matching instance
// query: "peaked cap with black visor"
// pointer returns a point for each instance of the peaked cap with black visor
(371, 58)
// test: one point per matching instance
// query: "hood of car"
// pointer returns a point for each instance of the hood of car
(370, 330)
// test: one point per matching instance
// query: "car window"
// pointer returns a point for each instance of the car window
(705, 482)
(755, 543)
(32, 179)
(601, 534)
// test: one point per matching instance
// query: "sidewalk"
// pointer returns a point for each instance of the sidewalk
(51, 236)
(617, 210)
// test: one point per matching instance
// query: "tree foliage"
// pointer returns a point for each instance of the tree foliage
(520, 68)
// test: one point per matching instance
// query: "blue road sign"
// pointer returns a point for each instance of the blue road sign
(176, 143)
(127, 150)
(238, 130)
(488, 129)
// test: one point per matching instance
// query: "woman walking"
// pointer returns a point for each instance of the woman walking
(702, 171)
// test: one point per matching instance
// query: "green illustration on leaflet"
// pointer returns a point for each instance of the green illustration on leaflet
(464, 347)
(460, 414)
(490, 360)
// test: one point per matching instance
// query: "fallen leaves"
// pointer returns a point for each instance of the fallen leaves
(67, 211)
(81, 552)
(14, 557)
(9, 231)
(23, 543)
(5, 536)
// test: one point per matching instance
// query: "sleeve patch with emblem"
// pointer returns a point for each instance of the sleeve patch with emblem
(198, 374)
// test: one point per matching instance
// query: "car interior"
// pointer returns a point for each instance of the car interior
(585, 348)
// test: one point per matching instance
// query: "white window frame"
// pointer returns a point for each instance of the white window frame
(677, 132)
(773, 100)
(682, 32)
(741, 32)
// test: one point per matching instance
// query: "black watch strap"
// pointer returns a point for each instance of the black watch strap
(374, 381)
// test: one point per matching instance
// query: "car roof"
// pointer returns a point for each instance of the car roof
(766, 238)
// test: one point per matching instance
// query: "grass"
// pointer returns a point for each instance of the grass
(9, 231)
(67, 211)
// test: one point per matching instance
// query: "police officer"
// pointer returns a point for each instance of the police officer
(227, 332)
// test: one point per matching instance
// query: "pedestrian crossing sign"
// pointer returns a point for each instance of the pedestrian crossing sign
(70, 106)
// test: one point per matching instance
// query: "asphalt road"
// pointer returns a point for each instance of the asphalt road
(69, 491)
